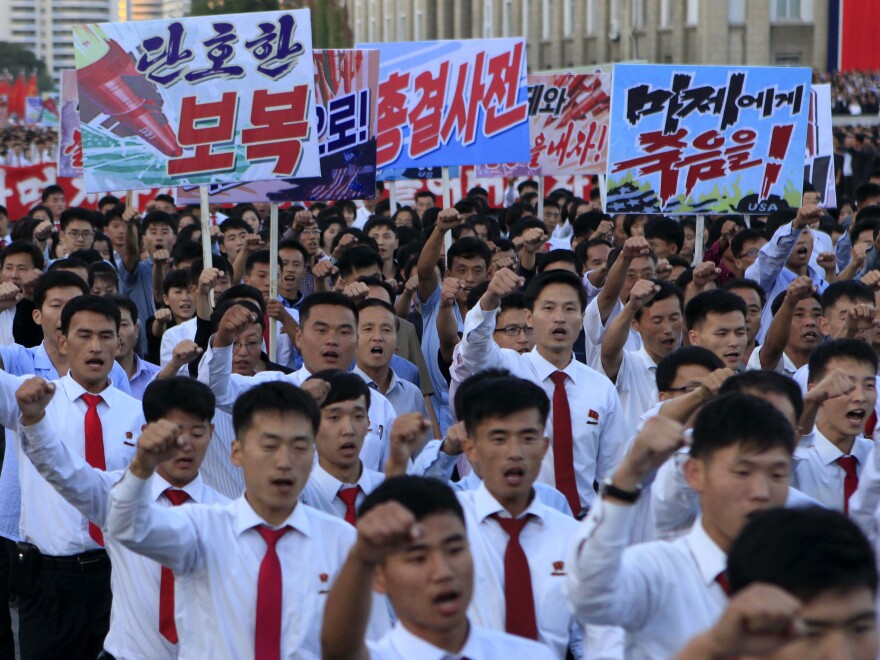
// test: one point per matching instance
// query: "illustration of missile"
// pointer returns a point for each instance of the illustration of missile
(107, 76)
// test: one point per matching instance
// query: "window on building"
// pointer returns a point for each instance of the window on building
(591, 17)
(525, 19)
(791, 10)
(545, 20)
(373, 22)
(506, 11)
(568, 18)
(665, 13)
(417, 21)
(388, 23)
(638, 14)
(400, 33)
(736, 12)
(692, 14)
(488, 19)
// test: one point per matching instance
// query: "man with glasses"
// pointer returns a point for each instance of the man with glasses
(77, 229)
(512, 330)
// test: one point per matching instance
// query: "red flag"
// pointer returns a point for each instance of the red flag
(16, 98)
(32, 89)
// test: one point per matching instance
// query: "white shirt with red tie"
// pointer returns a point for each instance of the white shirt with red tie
(135, 580)
(322, 490)
(816, 472)
(216, 551)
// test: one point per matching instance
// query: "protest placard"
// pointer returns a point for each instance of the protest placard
(706, 139)
(819, 166)
(444, 103)
(345, 86)
(69, 137)
(197, 100)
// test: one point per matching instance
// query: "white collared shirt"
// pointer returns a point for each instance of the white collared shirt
(816, 472)
(598, 429)
(7, 316)
(215, 370)
(135, 580)
(661, 593)
(783, 366)
(481, 644)
(594, 331)
(215, 553)
(636, 384)
(217, 469)
(322, 488)
(173, 336)
(403, 396)
(546, 540)
(47, 520)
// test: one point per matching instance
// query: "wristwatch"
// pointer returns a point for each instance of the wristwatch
(629, 496)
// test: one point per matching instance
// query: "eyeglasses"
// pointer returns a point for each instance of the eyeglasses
(514, 330)
(751, 253)
(249, 346)
(79, 234)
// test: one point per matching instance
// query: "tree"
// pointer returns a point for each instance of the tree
(17, 60)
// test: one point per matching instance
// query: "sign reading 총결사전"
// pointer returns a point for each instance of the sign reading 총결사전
(706, 139)
(197, 100)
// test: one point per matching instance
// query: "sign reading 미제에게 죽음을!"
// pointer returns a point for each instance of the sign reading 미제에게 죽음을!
(197, 100)
(446, 103)
(691, 139)
(345, 87)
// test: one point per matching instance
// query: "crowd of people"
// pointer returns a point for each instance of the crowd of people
(21, 146)
(454, 433)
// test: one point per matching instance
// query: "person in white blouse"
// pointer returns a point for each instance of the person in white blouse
(663, 593)
(830, 458)
(783, 608)
(327, 338)
(412, 545)
(591, 444)
(142, 614)
(504, 418)
(65, 606)
(251, 576)
(654, 310)
(339, 481)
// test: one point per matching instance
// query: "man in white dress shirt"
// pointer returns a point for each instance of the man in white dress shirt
(412, 545)
(716, 319)
(804, 584)
(519, 544)
(586, 428)
(663, 593)
(142, 615)
(251, 576)
(63, 569)
(829, 459)
(339, 482)
(21, 263)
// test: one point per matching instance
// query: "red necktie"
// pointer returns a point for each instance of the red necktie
(349, 496)
(267, 638)
(166, 584)
(519, 602)
(723, 582)
(94, 449)
(563, 458)
(851, 480)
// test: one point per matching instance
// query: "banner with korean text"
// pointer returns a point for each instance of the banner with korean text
(70, 159)
(445, 103)
(345, 86)
(706, 139)
(198, 100)
(819, 166)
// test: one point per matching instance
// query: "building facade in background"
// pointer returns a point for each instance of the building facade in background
(566, 33)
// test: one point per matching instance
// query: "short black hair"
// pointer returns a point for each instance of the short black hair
(713, 301)
(89, 303)
(325, 298)
(176, 279)
(219, 262)
(743, 283)
(865, 192)
(852, 349)
(667, 368)
(344, 386)
(234, 223)
(186, 251)
(375, 302)
(273, 397)
(666, 230)
(421, 496)
(374, 280)
(807, 552)
(293, 244)
(124, 302)
(740, 419)
(667, 290)
(56, 279)
(358, 257)
(105, 271)
(559, 256)
(868, 224)
(177, 393)
(550, 277)
(247, 291)
(76, 213)
(382, 222)
(854, 290)
(159, 218)
(469, 247)
(495, 393)
(51, 190)
(254, 258)
(776, 305)
(165, 198)
(87, 255)
(587, 223)
(763, 381)
(23, 247)
(515, 300)
(740, 238)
